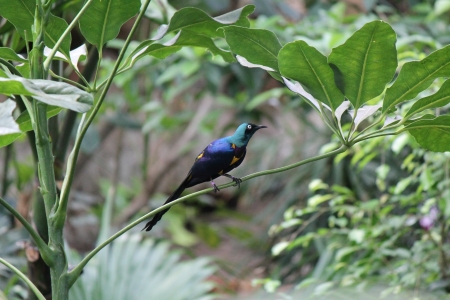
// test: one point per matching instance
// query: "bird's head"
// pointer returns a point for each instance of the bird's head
(244, 133)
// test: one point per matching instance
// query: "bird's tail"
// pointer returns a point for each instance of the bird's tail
(172, 197)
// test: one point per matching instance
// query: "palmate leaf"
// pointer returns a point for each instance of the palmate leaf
(259, 47)
(136, 269)
(21, 14)
(305, 64)
(432, 134)
(103, 19)
(416, 76)
(365, 63)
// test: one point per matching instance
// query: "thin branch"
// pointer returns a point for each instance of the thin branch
(24, 278)
(43, 247)
(75, 273)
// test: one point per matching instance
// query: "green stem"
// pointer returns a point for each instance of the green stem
(75, 273)
(24, 278)
(45, 251)
(61, 212)
(72, 24)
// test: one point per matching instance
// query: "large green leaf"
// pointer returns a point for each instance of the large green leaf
(432, 134)
(305, 64)
(416, 76)
(21, 14)
(196, 20)
(258, 46)
(438, 99)
(103, 19)
(51, 92)
(365, 63)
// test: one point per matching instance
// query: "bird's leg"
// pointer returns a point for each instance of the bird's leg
(236, 180)
(216, 189)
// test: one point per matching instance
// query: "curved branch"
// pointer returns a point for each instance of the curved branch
(24, 278)
(44, 249)
(75, 273)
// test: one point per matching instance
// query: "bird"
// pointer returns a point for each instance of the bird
(217, 159)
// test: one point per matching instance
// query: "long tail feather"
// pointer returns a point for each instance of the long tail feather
(172, 197)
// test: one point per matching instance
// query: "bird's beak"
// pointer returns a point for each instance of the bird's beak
(260, 126)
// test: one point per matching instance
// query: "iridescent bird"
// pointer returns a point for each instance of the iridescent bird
(217, 159)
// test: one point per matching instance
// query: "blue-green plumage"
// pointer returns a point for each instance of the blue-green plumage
(217, 159)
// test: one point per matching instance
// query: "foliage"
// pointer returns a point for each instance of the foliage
(365, 82)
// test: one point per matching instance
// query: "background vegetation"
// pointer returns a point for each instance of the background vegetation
(371, 221)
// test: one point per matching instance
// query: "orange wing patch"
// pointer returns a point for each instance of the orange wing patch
(199, 156)
(233, 146)
(235, 159)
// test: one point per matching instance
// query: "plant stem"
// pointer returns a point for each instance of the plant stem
(61, 212)
(24, 278)
(75, 273)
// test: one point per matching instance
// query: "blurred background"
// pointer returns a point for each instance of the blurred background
(371, 222)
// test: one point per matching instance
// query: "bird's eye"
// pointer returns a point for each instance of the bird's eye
(249, 126)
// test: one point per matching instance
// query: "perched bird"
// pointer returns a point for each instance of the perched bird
(217, 159)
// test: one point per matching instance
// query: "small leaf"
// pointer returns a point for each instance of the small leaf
(439, 99)
(278, 248)
(365, 63)
(305, 64)
(7, 123)
(54, 30)
(51, 92)
(76, 55)
(25, 125)
(416, 76)
(364, 112)
(298, 89)
(102, 20)
(356, 235)
(340, 110)
(432, 134)
(9, 54)
(197, 21)
(257, 46)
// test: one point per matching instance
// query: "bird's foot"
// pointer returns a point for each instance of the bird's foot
(237, 181)
(216, 189)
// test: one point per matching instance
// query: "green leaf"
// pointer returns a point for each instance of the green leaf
(279, 247)
(103, 19)
(51, 92)
(197, 21)
(21, 14)
(432, 134)
(183, 38)
(365, 63)
(259, 47)
(439, 99)
(9, 54)
(416, 76)
(305, 64)
(54, 30)
(7, 123)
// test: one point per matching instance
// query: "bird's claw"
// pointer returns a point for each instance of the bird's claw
(237, 181)
(216, 189)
